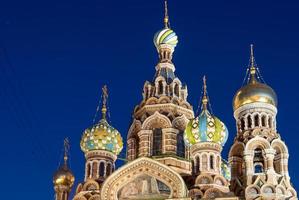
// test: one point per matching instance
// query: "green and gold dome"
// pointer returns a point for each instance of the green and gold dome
(254, 91)
(206, 127)
(102, 136)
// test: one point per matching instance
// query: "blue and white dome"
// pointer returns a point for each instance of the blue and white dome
(166, 36)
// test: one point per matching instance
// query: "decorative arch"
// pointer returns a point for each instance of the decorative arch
(212, 193)
(204, 179)
(90, 184)
(221, 179)
(277, 143)
(156, 120)
(180, 122)
(164, 99)
(134, 128)
(151, 101)
(143, 166)
(257, 142)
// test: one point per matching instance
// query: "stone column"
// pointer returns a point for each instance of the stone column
(144, 142)
(271, 175)
(169, 141)
(248, 157)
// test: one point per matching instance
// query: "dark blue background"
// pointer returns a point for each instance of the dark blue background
(56, 55)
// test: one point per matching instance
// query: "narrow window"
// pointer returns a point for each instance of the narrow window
(102, 169)
(157, 141)
(180, 145)
(256, 121)
(242, 124)
(211, 161)
(160, 87)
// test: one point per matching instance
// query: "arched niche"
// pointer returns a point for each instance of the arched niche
(147, 171)
(156, 120)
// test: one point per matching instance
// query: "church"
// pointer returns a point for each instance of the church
(174, 154)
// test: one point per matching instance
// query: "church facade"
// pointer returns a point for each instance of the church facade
(173, 153)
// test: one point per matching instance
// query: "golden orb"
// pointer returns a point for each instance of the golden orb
(254, 92)
(63, 177)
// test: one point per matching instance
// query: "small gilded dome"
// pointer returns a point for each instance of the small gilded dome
(254, 92)
(63, 177)
(102, 136)
(166, 36)
(205, 128)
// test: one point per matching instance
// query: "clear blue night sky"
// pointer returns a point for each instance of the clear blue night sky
(56, 55)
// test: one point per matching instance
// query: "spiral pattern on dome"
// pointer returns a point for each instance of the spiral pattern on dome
(166, 36)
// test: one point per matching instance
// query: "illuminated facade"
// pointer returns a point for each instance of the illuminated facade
(173, 153)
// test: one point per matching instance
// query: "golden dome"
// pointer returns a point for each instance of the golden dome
(254, 91)
(63, 177)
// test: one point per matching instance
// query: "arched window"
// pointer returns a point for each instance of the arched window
(108, 169)
(157, 141)
(212, 162)
(88, 170)
(94, 169)
(263, 121)
(249, 122)
(176, 90)
(242, 124)
(180, 148)
(256, 121)
(160, 85)
(258, 161)
(102, 169)
(197, 165)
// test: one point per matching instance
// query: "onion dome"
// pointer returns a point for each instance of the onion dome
(102, 136)
(206, 127)
(254, 91)
(64, 176)
(166, 35)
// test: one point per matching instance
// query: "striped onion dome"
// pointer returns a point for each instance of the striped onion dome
(205, 127)
(166, 36)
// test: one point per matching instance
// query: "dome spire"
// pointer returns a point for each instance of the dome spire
(205, 98)
(166, 17)
(66, 145)
(252, 65)
(104, 103)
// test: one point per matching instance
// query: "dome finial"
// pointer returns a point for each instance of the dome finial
(252, 65)
(205, 98)
(166, 17)
(66, 145)
(105, 97)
